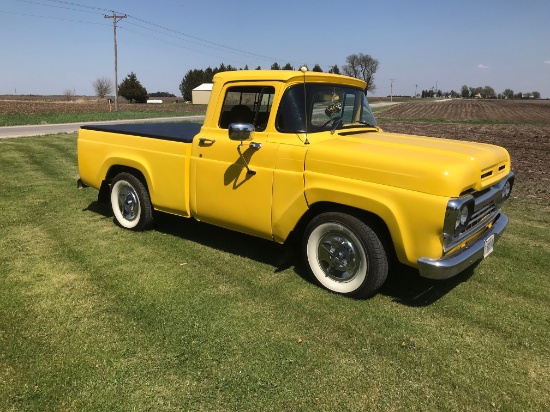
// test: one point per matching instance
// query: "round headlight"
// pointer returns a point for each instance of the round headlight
(506, 190)
(462, 216)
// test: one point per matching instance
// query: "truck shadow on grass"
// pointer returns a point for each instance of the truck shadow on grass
(407, 287)
(404, 284)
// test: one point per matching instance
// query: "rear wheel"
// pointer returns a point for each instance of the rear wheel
(345, 255)
(130, 202)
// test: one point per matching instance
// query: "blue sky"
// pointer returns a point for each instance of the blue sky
(49, 46)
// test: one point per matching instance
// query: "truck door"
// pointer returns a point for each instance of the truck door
(225, 193)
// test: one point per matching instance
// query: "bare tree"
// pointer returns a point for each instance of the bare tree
(102, 87)
(68, 94)
(361, 66)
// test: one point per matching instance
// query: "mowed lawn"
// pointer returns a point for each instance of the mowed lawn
(192, 317)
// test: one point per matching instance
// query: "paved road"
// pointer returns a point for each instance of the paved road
(40, 130)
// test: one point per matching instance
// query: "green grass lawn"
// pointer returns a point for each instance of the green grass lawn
(20, 119)
(192, 317)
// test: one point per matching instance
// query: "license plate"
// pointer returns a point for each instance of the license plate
(488, 246)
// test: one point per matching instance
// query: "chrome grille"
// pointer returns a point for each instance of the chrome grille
(481, 215)
(486, 208)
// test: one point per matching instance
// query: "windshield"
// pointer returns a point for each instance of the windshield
(328, 107)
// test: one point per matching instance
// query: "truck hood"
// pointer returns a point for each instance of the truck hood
(425, 164)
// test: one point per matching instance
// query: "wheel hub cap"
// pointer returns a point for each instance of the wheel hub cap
(128, 203)
(338, 257)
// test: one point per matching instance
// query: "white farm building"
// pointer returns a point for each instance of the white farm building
(201, 94)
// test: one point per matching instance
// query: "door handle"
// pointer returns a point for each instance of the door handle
(254, 145)
(204, 141)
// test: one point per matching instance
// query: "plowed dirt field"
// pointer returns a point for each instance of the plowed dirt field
(527, 138)
(510, 111)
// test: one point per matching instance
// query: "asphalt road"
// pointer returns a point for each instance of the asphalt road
(7, 132)
(40, 130)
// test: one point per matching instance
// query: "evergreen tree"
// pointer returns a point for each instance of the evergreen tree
(132, 90)
(317, 68)
(334, 69)
(275, 66)
(196, 77)
(192, 79)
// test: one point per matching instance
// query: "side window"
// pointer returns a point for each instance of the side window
(247, 104)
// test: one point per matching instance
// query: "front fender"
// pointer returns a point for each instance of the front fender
(414, 219)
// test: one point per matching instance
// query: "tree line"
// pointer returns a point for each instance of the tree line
(486, 92)
(196, 77)
(361, 66)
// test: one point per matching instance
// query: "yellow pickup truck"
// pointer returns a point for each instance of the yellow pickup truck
(286, 155)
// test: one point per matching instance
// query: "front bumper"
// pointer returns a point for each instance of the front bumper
(454, 263)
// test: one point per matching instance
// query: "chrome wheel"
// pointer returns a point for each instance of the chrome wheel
(339, 256)
(128, 202)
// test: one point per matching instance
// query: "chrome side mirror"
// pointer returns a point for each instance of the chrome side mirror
(240, 131)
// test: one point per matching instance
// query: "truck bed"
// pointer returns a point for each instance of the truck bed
(178, 132)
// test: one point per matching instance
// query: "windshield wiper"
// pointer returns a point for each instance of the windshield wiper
(356, 125)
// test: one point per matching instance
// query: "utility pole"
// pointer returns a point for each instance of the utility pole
(116, 19)
(415, 90)
(391, 89)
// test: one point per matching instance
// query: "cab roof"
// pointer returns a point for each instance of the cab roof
(287, 76)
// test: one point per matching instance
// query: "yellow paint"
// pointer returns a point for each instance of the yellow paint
(405, 180)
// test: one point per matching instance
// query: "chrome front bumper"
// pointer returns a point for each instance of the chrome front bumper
(454, 263)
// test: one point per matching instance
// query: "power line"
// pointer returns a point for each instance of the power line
(59, 7)
(126, 29)
(75, 4)
(236, 52)
(183, 36)
(52, 18)
(204, 42)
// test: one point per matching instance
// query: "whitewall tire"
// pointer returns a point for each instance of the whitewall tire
(130, 202)
(345, 255)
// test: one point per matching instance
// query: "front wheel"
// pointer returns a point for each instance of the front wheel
(130, 202)
(345, 255)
